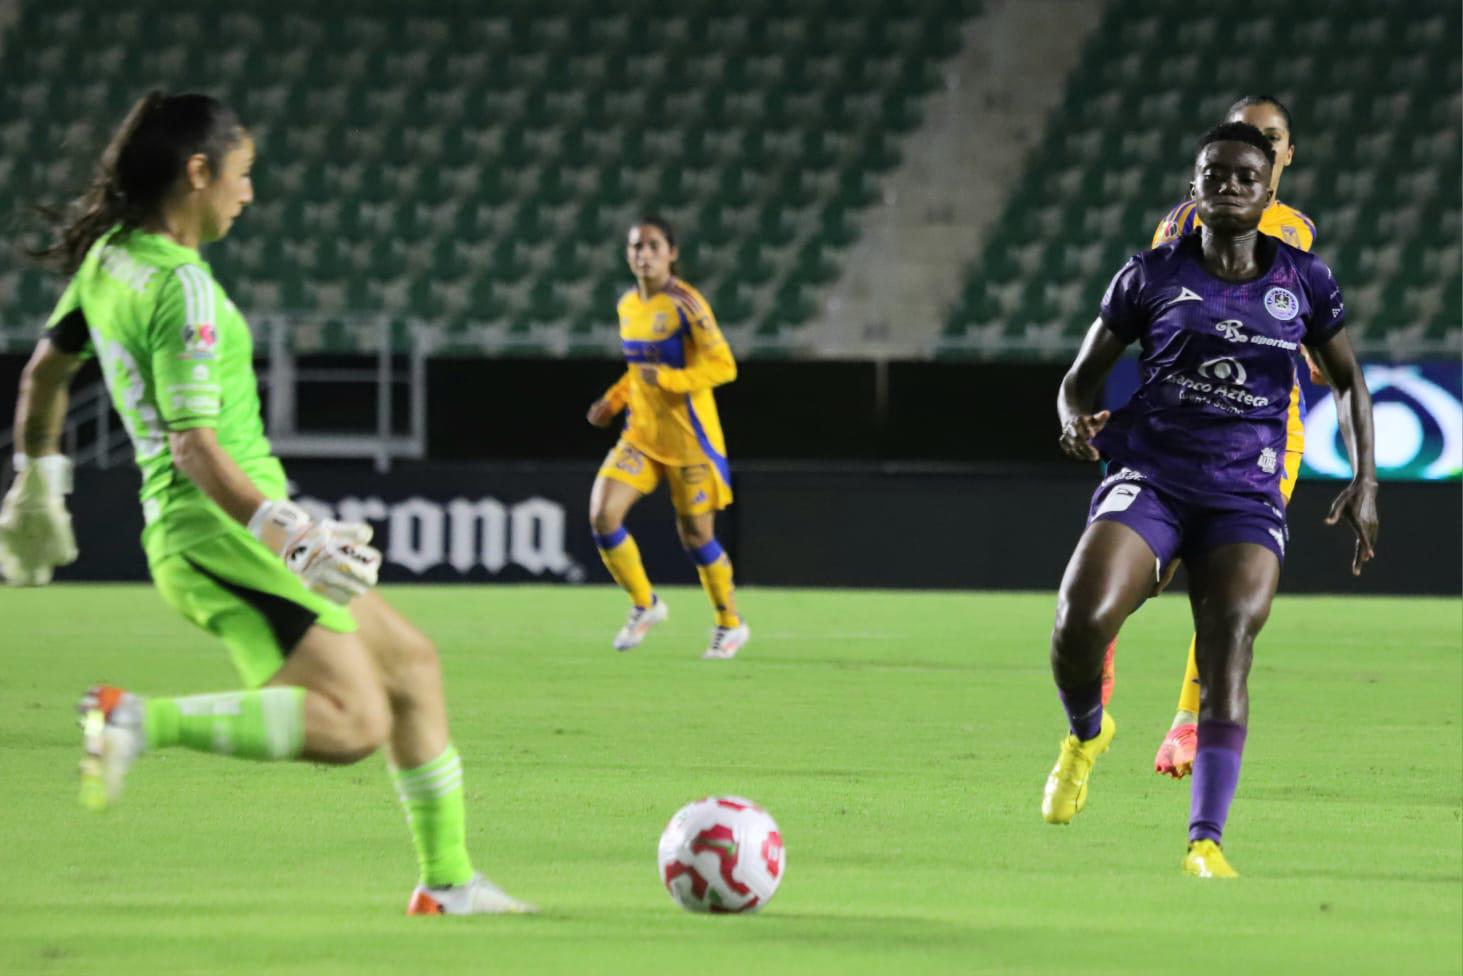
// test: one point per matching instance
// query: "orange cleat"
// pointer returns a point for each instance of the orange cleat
(1109, 672)
(1176, 755)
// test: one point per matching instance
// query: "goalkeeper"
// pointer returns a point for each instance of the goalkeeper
(333, 672)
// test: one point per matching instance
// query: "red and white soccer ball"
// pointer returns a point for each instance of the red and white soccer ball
(722, 854)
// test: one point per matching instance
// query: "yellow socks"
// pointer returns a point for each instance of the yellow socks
(715, 570)
(1189, 694)
(622, 558)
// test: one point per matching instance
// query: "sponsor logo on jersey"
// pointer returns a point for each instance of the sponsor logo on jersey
(199, 340)
(1224, 369)
(1232, 330)
(1120, 499)
(1282, 304)
(1185, 295)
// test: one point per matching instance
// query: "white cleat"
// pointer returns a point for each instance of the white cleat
(726, 641)
(638, 624)
(112, 737)
(478, 897)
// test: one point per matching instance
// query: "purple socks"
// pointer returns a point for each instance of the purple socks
(1216, 774)
(1084, 710)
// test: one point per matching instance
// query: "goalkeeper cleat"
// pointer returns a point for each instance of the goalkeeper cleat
(726, 641)
(112, 739)
(1205, 859)
(640, 621)
(1066, 787)
(478, 896)
(1176, 755)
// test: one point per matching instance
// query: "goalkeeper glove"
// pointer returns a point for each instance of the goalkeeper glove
(35, 527)
(332, 557)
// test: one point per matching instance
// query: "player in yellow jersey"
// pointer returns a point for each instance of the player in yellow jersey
(676, 355)
(1175, 756)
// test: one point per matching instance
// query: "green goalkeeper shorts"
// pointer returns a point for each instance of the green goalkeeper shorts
(242, 593)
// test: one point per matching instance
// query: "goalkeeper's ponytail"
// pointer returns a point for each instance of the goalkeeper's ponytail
(138, 169)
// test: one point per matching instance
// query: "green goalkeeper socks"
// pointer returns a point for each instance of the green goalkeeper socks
(432, 797)
(264, 724)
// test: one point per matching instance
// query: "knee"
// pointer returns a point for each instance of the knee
(694, 536)
(365, 726)
(416, 669)
(603, 522)
(1081, 625)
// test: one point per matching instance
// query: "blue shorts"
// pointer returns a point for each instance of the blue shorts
(1186, 525)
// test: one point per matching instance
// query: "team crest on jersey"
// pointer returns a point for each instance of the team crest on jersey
(1291, 236)
(1282, 304)
(660, 324)
(199, 340)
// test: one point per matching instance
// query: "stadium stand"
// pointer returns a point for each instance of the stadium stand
(1375, 94)
(470, 169)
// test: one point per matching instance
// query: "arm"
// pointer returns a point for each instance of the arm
(603, 410)
(197, 454)
(1077, 396)
(40, 409)
(1357, 503)
(714, 367)
(35, 528)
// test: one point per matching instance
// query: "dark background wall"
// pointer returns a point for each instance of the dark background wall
(924, 475)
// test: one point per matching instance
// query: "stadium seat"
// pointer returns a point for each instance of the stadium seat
(473, 167)
(1376, 101)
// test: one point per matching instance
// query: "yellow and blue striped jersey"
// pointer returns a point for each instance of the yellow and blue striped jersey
(1279, 220)
(673, 419)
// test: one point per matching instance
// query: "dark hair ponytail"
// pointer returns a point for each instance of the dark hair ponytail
(669, 232)
(144, 159)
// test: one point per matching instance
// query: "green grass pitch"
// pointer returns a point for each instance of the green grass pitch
(900, 739)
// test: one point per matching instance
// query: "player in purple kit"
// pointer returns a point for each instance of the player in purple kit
(1195, 461)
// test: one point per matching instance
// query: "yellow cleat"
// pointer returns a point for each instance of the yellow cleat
(1206, 860)
(1066, 787)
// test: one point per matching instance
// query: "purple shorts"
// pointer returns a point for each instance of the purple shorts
(1175, 524)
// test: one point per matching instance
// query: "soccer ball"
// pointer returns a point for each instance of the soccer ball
(722, 854)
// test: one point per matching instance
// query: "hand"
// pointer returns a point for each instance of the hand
(650, 375)
(1317, 377)
(1076, 439)
(601, 412)
(332, 557)
(35, 527)
(1357, 503)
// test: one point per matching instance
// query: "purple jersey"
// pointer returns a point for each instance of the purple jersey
(1217, 366)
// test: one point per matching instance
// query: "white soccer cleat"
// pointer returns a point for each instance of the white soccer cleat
(726, 641)
(112, 737)
(478, 897)
(640, 621)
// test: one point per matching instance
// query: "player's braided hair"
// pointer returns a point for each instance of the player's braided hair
(145, 157)
(1238, 132)
(668, 231)
(1270, 100)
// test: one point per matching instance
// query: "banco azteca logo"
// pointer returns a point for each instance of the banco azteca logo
(1223, 369)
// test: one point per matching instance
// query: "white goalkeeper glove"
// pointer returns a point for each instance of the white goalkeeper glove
(35, 527)
(332, 557)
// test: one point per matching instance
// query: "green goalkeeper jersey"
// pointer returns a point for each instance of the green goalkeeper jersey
(176, 355)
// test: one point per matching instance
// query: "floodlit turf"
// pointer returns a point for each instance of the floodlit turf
(901, 740)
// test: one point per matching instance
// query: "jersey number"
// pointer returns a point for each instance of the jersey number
(138, 416)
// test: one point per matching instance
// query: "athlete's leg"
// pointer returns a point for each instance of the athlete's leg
(1109, 575)
(698, 537)
(610, 500)
(1230, 589)
(347, 716)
